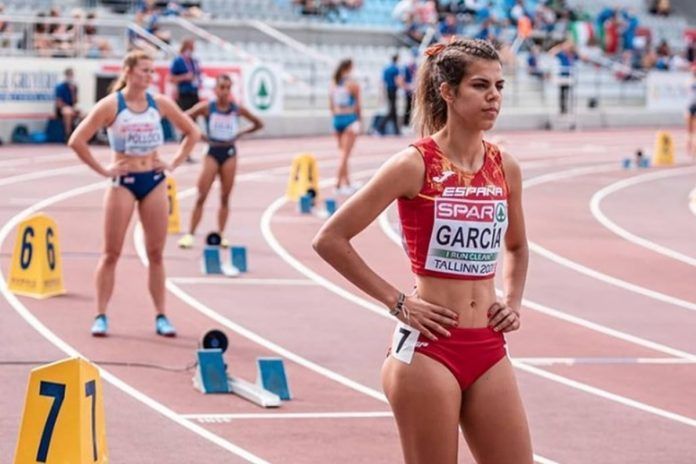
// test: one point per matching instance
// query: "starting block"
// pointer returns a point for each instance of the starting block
(330, 204)
(238, 257)
(305, 204)
(212, 262)
(272, 377)
(211, 377)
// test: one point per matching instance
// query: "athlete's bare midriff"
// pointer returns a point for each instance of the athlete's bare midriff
(470, 299)
(137, 163)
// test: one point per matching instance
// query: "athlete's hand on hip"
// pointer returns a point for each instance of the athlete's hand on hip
(119, 168)
(161, 166)
(429, 319)
(503, 318)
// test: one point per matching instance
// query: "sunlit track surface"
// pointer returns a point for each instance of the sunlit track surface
(605, 370)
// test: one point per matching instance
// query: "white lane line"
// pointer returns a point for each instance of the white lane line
(240, 281)
(41, 175)
(59, 343)
(615, 281)
(206, 418)
(541, 361)
(536, 248)
(607, 395)
(253, 336)
(600, 195)
(558, 314)
(692, 201)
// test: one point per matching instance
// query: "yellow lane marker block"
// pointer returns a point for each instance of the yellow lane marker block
(174, 226)
(36, 268)
(664, 149)
(304, 176)
(63, 418)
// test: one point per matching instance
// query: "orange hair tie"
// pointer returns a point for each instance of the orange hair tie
(434, 50)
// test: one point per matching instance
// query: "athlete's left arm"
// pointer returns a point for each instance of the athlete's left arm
(256, 123)
(516, 249)
(192, 134)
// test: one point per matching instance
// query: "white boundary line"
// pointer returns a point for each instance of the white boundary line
(600, 195)
(240, 281)
(607, 395)
(288, 415)
(59, 343)
(536, 248)
(692, 201)
(538, 361)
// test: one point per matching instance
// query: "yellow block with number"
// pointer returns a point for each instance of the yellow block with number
(304, 175)
(174, 226)
(63, 418)
(36, 268)
(664, 149)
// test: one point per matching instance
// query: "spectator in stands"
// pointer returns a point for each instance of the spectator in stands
(41, 37)
(5, 29)
(630, 21)
(661, 7)
(567, 56)
(391, 80)
(185, 72)
(345, 105)
(664, 56)
(96, 47)
(448, 27)
(414, 32)
(66, 103)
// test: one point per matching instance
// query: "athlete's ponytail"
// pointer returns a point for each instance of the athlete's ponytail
(444, 64)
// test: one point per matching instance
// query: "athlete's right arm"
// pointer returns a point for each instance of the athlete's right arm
(199, 109)
(101, 115)
(399, 177)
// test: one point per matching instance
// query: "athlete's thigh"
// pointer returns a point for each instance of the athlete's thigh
(493, 418)
(425, 398)
(207, 175)
(119, 204)
(153, 211)
(227, 173)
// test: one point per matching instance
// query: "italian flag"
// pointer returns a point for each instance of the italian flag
(582, 32)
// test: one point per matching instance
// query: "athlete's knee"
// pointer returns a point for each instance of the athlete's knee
(110, 257)
(155, 255)
(200, 200)
(224, 202)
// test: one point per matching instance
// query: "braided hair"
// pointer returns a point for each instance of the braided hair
(446, 63)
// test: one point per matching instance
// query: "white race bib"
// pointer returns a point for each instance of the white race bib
(404, 342)
(467, 236)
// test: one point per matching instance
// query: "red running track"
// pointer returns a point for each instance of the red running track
(605, 359)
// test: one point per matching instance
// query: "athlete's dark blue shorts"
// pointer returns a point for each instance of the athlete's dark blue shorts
(140, 184)
(222, 153)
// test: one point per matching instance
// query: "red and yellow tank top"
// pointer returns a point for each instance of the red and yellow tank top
(456, 225)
